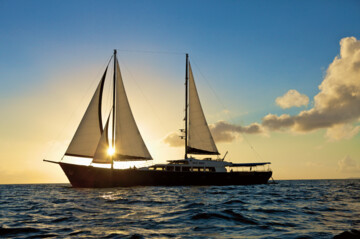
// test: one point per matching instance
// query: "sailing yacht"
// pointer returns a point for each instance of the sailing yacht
(91, 140)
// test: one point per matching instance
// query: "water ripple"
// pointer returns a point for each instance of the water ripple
(289, 209)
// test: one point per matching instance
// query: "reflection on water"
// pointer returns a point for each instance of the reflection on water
(289, 209)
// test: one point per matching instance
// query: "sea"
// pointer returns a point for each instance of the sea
(286, 209)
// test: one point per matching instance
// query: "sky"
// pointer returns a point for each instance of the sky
(279, 81)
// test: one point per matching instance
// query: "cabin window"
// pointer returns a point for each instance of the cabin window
(170, 168)
(177, 168)
(212, 169)
(198, 169)
(159, 168)
(186, 169)
(207, 170)
(151, 168)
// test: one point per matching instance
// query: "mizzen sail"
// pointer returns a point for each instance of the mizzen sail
(88, 134)
(200, 140)
(129, 144)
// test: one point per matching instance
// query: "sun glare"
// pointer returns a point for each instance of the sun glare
(111, 151)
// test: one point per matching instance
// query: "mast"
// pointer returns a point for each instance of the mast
(186, 101)
(113, 119)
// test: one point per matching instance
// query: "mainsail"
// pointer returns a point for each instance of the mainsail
(92, 141)
(129, 144)
(87, 136)
(200, 140)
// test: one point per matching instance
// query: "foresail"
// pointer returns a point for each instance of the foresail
(101, 153)
(200, 140)
(87, 136)
(129, 144)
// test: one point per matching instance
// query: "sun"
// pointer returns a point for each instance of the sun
(111, 151)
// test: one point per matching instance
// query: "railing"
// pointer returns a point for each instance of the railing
(250, 169)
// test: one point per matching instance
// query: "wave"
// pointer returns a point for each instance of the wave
(235, 201)
(62, 219)
(75, 233)
(228, 215)
(117, 235)
(271, 211)
(194, 205)
(5, 231)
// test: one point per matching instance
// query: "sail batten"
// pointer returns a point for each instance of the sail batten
(88, 133)
(200, 140)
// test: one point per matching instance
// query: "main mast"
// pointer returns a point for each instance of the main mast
(186, 101)
(113, 119)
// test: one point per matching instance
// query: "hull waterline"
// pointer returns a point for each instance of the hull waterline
(94, 177)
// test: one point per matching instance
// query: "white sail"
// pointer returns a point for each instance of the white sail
(101, 153)
(88, 133)
(129, 144)
(200, 140)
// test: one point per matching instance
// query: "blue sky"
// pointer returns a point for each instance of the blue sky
(287, 44)
(250, 52)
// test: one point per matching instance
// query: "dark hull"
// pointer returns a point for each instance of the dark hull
(93, 177)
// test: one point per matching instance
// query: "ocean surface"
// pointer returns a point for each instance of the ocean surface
(288, 209)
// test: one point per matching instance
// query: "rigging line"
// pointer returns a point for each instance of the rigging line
(216, 96)
(152, 52)
(60, 132)
(138, 86)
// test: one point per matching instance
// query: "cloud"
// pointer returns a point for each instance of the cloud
(342, 131)
(274, 122)
(348, 165)
(221, 131)
(337, 105)
(292, 98)
(173, 139)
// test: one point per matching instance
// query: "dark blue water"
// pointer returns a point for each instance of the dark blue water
(289, 209)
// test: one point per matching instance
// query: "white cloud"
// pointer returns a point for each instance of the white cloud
(348, 165)
(173, 139)
(338, 101)
(292, 98)
(342, 131)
